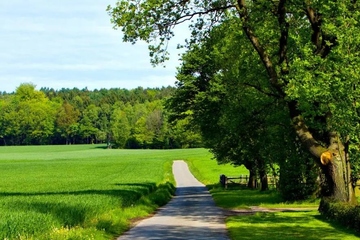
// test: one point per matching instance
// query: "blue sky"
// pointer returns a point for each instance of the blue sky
(71, 43)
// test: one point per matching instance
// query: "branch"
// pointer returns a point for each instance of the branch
(243, 13)
(187, 17)
(318, 37)
(315, 148)
(315, 21)
(261, 90)
(284, 33)
(262, 110)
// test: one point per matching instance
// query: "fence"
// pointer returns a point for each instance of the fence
(243, 180)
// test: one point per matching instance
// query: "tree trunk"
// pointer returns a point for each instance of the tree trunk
(338, 185)
(251, 166)
(252, 179)
(264, 180)
(108, 143)
(333, 160)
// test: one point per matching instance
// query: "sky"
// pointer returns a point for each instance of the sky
(71, 43)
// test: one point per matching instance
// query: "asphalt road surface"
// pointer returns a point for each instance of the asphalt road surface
(191, 214)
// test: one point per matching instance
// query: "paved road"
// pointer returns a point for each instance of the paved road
(191, 214)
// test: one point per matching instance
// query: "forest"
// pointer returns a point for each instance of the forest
(121, 118)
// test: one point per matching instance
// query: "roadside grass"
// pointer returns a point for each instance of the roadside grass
(243, 198)
(81, 191)
(286, 226)
(208, 171)
(302, 224)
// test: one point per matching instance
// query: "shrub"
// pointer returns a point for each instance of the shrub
(298, 180)
(343, 213)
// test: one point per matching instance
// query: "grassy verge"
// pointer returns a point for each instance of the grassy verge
(287, 226)
(208, 171)
(280, 225)
(81, 191)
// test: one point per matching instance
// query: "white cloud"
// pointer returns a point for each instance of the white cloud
(70, 44)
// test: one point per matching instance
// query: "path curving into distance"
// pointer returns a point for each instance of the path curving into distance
(191, 214)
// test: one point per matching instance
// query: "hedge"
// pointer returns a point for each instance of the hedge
(343, 213)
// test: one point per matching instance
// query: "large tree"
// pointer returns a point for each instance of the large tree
(309, 51)
(67, 121)
(251, 124)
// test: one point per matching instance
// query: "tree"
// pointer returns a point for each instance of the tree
(184, 134)
(104, 118)
(67, 121)
(6, 127)
(31, 118)
(221, 84)
(308, 51)
(89, 123)
(120, 128)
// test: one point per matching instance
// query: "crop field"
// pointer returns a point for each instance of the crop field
(88, 192)
(81, 191)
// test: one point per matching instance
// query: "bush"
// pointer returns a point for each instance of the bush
(163, 194)
(298, 179)
(343, 213)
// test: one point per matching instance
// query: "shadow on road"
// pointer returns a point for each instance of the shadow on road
(191, 214)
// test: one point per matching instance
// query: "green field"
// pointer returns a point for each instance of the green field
(88, 192)
(81, 191)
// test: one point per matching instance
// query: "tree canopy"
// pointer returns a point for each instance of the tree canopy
(119, 117)
(302, 53)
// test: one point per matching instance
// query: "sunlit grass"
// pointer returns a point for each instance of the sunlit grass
(87, 192)
(208, 171)
(287, 226)
(81, 191)
(236, 198)
(300, 224)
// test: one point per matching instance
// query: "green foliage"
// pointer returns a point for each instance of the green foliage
(119, 117)
(298, 179)
(120, 128)
(67, 121)
(251, 125)
(28, 116)
(184, 134)
(342, 213)
(81, 191)
(297, 57)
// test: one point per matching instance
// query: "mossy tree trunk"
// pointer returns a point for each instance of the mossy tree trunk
(332, 159)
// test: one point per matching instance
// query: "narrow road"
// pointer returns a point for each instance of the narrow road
(191, 214)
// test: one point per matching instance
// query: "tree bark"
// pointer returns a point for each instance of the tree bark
(264, 180)
(252, 179)
(337, 172)
(336, 169)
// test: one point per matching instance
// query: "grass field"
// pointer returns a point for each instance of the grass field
(81, 191)
(88, 192)
(302, 224)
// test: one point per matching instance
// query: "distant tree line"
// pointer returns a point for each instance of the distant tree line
(121, 118)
